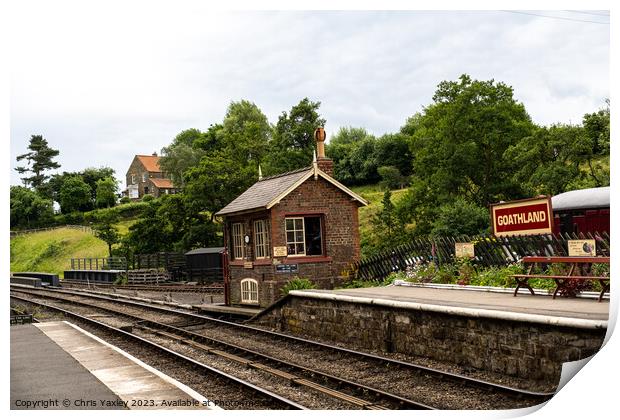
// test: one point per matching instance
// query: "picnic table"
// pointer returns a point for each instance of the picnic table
(576, 264)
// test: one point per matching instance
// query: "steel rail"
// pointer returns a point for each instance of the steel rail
(171, 353)
(182, 335)
(453, 377)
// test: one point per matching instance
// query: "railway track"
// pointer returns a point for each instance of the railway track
(298, 376)
(182, 333)
(253, 391)
(176, 288)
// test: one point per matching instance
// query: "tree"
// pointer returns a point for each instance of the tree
(106, 231)
(106, 190)
(458, 145)
(29, 209)
(391, 177)
(547, 161)
(183, 153)
(75, 195)
(230, 166)
(92, 175)
(39, 160)
(293, 138)
(460, 217)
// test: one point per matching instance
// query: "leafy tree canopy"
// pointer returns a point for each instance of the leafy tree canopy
(106, 190)
(28, 209)
(75, 195)
(293, 142)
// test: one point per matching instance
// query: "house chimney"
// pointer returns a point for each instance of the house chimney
(154, 153)
(325, 164)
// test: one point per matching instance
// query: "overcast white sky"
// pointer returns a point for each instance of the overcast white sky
(102, 83)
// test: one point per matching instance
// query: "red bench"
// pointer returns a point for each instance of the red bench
(560, 280)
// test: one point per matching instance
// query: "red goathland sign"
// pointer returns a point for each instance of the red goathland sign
(523, 217)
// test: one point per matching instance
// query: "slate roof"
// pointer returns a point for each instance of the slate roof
(589, 198)
(264, 191)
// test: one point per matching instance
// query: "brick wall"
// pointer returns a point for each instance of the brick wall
(341, 241)
(524, 350)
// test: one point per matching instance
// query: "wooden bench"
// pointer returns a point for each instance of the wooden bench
(560, 280)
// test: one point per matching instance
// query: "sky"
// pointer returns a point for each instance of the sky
(103, 84)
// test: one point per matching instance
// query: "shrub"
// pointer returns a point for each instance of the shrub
(297, 283)
(124, 200)
(147, 197)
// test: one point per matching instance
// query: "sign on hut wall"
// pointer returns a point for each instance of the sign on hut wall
(582, 248)
(523, 217)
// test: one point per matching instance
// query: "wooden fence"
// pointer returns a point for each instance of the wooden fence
(25, 232)
(489, 251)
(109, 263)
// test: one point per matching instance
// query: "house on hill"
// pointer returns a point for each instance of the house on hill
(144, 176)
(302, 223)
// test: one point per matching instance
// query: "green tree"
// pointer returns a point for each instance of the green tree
(92, 175)
(28, 209)
(293, 138)
(75, 195)
(391, 178)
(40, 159)
(183, 153)
(106, 231)
(106, 190)
(460, 217)
(393, 150)
(547, 161)
(459, 143)
(352, 150)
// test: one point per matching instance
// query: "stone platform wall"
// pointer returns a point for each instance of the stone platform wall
(527, 350)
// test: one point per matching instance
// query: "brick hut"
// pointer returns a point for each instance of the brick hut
(302, 223)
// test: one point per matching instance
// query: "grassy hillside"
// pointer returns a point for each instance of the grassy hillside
(51, 251)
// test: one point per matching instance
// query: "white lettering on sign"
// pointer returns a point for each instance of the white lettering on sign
(520, 218)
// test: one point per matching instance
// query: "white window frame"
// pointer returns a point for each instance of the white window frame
(133, 178)
(238, 243)
(144, 175)
(261, 239)
(303, 236)
(249, 291)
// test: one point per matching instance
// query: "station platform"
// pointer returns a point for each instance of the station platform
(451, 299)
(57, 365)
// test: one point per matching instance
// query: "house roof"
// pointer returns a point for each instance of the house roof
(268, 192)
(581, 199)
(162, 182)
(150, 162)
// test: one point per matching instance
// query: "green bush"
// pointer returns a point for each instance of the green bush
(297, 283)
(147, 197)
(124, 200)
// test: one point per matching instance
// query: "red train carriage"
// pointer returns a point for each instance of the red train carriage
(581, 211)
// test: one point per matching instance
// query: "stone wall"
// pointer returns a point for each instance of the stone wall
(519, 349)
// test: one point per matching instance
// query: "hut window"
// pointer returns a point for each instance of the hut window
(237, 237)
(249, 291)
(304, 236)
(261, 239)
(133, 178)
(143, 176)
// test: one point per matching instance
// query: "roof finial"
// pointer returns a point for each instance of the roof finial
(315, 165)
(260, 173)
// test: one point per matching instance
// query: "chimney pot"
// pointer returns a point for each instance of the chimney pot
(319, 136)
